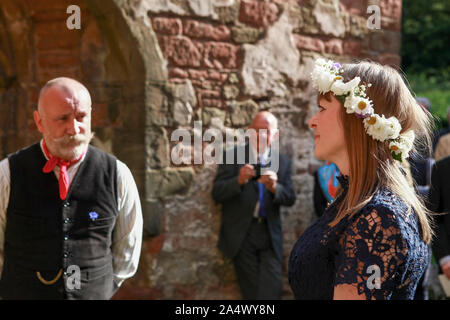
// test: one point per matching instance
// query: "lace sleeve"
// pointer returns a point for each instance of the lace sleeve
(371, 251)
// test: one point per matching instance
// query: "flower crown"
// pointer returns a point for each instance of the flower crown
(327, 76)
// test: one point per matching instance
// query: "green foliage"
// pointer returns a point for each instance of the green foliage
(434, 89)
(425, 36)
(425, 56)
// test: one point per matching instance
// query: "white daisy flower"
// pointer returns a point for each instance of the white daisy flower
(362, 106)
(375, 127)
(393, 128)
(350, 103)
(340, 88)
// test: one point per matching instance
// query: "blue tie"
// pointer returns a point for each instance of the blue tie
(262, 210)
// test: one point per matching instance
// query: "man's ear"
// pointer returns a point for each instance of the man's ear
(38, 120)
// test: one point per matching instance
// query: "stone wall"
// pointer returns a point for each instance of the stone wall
(154, 66)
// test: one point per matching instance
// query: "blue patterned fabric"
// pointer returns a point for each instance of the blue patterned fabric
(328, 181)
(381, 239)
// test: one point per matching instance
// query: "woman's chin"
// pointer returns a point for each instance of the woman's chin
(318, 154)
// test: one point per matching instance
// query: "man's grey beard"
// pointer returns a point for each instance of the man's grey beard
(71, 147)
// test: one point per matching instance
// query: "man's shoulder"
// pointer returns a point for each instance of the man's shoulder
(443, 164)
(101, 153)
(25, 153)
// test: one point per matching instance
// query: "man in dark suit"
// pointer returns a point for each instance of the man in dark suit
(251, 194)
(439, 202)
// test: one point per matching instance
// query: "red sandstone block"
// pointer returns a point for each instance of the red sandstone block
(215, 103)
(169, 26)
(41, 6)
(197, 74)
(309, 43)
(391, 8)
(257, 13)
(352, 48)
(180, 51)
(220, 54)
(52, 15)
(206, 98)
(45, 74)
(196, 29)
(99, 115)
(155, 244)
(183, 292)
(334, 46)
(178, 73)
(52, 29)
(209, 94)
(58, 59)
(391, 24)
(214, 75)
(69, 40)
(357, 7)
(392, 60)
(197, 83)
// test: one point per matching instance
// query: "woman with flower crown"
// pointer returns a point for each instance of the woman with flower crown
(372, 241)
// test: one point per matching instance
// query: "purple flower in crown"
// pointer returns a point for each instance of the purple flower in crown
(336, 66)
(362, 116)
(93, 215)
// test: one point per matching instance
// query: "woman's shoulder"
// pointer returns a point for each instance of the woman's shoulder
(385, 208)
(387, 198)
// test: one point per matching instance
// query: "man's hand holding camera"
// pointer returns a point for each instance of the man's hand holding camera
(246, 173)
(268, 178)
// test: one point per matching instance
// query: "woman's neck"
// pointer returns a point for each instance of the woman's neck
(343, 164)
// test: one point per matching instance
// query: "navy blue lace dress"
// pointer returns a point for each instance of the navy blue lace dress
(379, 251)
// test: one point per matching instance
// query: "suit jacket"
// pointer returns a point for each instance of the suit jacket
(239, 202)
(439, 202)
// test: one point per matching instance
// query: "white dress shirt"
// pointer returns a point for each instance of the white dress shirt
(127, 233)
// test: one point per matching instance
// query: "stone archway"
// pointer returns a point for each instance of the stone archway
(114, 54)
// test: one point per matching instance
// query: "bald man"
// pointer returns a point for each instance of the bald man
(251, 194)
(70, 215)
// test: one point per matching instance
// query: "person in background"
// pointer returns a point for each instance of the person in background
(420, 162)
(442, 147)
(442, 132)
(70, 215)
(439, 202)
(251, 196)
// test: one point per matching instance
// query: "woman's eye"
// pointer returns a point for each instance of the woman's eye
(321, 108)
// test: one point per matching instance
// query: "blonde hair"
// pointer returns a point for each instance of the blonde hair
(370, 160)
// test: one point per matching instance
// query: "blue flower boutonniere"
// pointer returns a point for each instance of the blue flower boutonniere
(93, 215)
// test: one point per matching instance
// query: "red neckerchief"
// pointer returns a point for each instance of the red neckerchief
(63, 165)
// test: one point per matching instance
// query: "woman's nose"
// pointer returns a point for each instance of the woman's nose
(313, 122)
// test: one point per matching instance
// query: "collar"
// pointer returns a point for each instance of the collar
(255, 155)
(343, 181)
